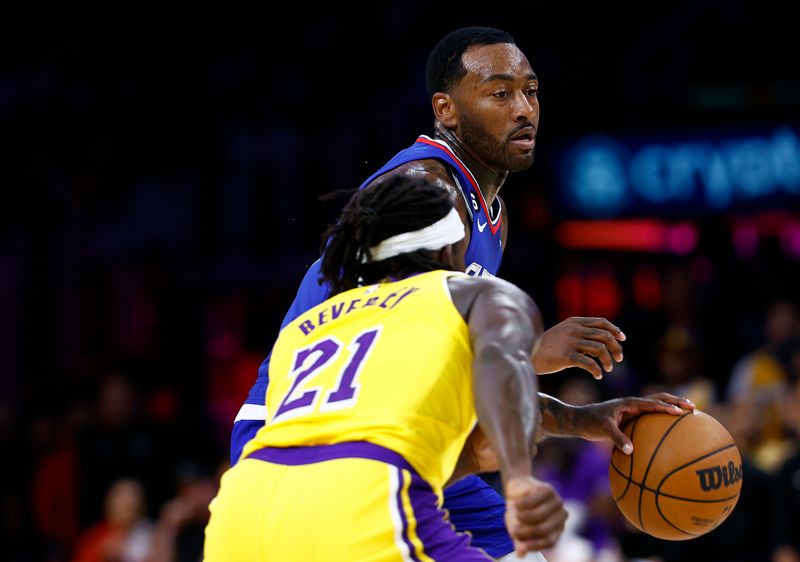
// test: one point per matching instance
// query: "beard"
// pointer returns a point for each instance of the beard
(492, 151)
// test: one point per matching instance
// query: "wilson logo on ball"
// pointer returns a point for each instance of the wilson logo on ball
(717, 476)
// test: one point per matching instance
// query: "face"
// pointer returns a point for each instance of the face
(124, 503)
(498, 107)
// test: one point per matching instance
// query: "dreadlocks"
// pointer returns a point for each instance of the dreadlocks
(386, 208)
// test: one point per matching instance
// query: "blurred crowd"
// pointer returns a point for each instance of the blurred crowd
(114, 472)
(760, 407)
(160, 206)
(108, 474)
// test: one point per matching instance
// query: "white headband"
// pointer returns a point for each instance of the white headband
(447, 230)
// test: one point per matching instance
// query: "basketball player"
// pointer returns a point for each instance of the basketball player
(374, 392)
(486, 114)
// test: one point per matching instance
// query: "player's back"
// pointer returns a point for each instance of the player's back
(389, 364)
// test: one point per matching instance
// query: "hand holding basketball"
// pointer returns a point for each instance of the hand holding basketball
(604, 420)
(683, 477)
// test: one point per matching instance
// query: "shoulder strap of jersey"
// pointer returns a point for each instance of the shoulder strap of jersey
(427, 147)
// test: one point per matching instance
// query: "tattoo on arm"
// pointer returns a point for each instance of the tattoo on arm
(558, 418)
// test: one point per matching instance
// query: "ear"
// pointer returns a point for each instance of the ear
(445, 110)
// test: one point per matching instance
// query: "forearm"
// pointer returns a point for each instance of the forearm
(505, 389)
(560, 419)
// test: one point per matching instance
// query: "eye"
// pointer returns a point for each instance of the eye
(501, 94)
(533, 91)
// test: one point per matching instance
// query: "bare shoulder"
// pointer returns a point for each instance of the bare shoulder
(465, 291)
(430, 169)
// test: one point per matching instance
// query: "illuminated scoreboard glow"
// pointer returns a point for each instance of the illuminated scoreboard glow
(604, 177)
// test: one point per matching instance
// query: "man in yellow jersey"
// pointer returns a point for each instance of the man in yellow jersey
(374, 393)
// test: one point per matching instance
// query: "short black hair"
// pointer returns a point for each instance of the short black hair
(445, 66)
(383, 209)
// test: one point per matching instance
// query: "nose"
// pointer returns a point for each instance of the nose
(525, 108)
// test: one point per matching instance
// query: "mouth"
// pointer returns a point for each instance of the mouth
(524, 138)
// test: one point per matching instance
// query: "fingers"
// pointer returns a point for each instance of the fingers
(537, 514)
(581, 342)
(540, 538)
(531, 512)
(545, 531)
(629, 408)
(586, 363)
(621, 440)
(600, 350)
(684, 403)
(601, 324)
(605, 339)
(649, 405)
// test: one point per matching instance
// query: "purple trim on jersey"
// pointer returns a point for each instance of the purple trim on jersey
(398, 498)
(294, 456)
(439, 538)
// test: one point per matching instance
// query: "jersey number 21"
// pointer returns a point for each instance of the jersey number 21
(310, 361)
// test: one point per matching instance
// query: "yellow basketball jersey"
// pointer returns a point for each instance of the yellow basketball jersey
(390, 364)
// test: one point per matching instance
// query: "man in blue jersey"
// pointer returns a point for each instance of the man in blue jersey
(483, 93)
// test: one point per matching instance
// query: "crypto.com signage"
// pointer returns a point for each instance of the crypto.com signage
(603, 177)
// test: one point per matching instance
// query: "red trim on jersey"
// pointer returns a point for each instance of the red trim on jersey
(494, 227)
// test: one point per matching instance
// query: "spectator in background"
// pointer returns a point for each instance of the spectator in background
(759, 379)
(124, 534)
(180, 528)
(677, 360)
(787, 477)
(121, 441)
(761, 368)
(55, 492)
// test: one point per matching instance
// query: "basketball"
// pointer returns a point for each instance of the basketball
(683, 478)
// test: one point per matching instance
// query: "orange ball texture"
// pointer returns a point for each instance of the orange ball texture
(683, 478)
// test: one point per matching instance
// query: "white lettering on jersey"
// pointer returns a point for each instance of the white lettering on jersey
(477, 270)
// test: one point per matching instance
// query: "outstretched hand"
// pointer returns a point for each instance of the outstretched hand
(604, 420)
(575, 342)
(535, 514)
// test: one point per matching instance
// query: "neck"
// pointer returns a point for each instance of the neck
(489, 180)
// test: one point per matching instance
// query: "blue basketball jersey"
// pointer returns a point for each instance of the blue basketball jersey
(472, 504)
(485, 249)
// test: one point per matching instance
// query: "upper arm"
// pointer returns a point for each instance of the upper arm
(438, 173)
(505, 318)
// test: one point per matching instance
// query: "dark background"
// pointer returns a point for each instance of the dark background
(161, 164)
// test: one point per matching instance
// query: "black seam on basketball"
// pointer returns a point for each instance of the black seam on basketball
(698, 459)
(672, 496)
(629, 477)
(671, 524)
(658, 489)
(692, 500)
(650, 462)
